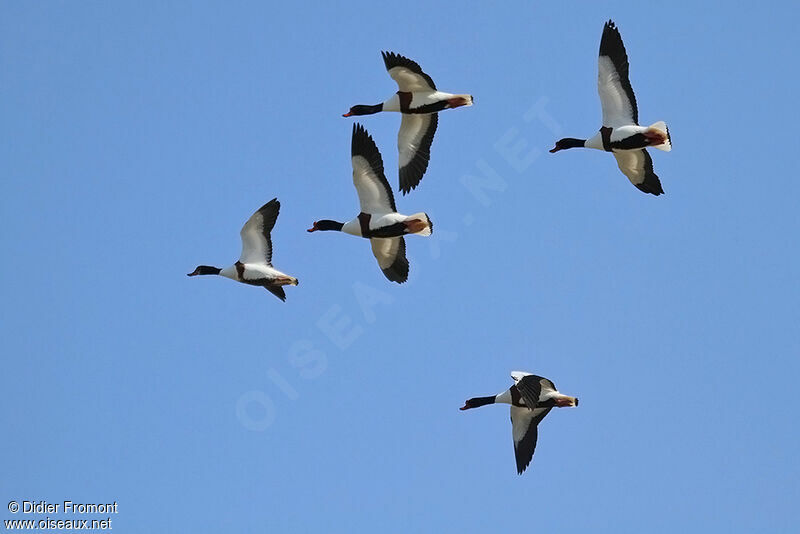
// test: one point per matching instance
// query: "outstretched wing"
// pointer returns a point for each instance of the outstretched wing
(256, 240)
(525, 432)
(414, 144)
(638, 167)
(374, 193)
(391, 255)
(407, 73)
(613, 84)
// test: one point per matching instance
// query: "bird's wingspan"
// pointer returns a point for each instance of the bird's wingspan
(391, 256)
(255, 234)
(613, 84)
(407, 73)
(374, 193)
(638, 167)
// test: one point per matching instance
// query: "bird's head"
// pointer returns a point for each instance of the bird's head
(361, 109)
(204, 269)
(325, 224)
(567, 142)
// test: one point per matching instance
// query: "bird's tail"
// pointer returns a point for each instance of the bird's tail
(456, 101)
(660, 131)
(419, 224)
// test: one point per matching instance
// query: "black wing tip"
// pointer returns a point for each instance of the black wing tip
(611, 40)
(396, 273)
(393, 59)
(362, 142)
(654, 192)
(277, 291)
(522, 465)
(610, 29)
(364, 145)
(274, 203)
(651, 183)
(269, 213)
(410, 178)
(358, 129)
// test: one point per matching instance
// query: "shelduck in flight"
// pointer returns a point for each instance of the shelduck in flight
(419, 102)
(378, 221)
(621, 134)
(255, 263)
(531, 399)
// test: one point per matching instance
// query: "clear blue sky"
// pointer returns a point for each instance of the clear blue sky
(137, 139)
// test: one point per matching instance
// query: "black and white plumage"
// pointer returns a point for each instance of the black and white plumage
(378, 220)
(621, 134)
(419, 102)
(531, 399)
(255, 262)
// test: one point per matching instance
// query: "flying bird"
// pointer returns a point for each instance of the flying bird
(419, 102)
(531, 399)
(378, 220)
(621, 134)
(255, 263)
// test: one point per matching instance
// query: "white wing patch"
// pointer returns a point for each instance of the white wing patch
(409, 81)
(617, 108)
(373, 194)
(391, 256)
(631, 163)
(520, 422)
(385, 250)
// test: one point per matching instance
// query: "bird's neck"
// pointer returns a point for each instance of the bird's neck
(571, 142)
(363, 109)
(477, 402)
(326, 225)
(207, 269)
(504, 397)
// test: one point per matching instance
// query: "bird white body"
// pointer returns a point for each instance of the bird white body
(422, 98)
(377, 221)
(253, 271)
(617, 134)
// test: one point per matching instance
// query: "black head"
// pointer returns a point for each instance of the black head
(476, 402)
(363, 110)
(326, 224)
(205, 269)
(567, 142)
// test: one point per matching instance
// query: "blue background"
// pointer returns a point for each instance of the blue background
(138, 138)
